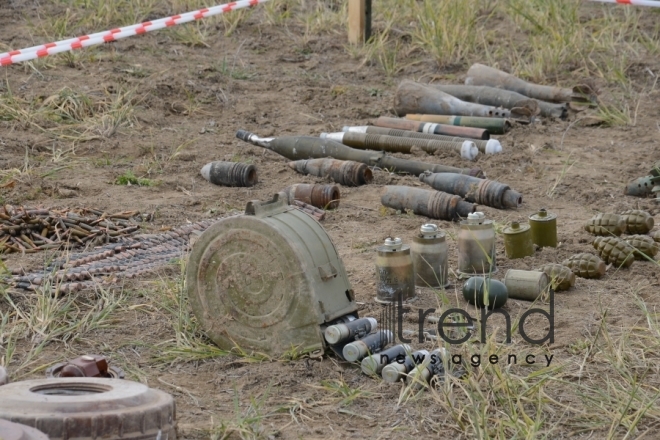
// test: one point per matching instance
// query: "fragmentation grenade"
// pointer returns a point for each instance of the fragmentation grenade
(585, 265)
(561, 277)
(655, 235)
(606, 225)
(615, 251)
(637, 221)
(645, 246)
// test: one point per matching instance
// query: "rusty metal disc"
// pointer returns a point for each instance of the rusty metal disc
(90, 408)
(55, 370)
(16, 431)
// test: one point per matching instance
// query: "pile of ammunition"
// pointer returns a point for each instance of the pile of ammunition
(32, 230)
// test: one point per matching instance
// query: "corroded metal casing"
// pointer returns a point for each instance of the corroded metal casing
(432, 204)
(561, 277)
(476, 246)
(230, 173)
(645, 246)
(606, 225)
(543, 226)
(429, 256)
(394, 272)
(637, 221)
(320, 196)
(476, 289)
(343, 172)
(585, 265)
(615, 251)
(527, 285)
(267, 280)
(655, 235)
(518, 241)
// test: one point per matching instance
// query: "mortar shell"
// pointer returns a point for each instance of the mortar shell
(473, 189)
(395, 275)
(476, 246)
(429, 256)
(527, 285)
(230, 174)
(493, 125)
(320, 196)
(543, 226)
(518, 241)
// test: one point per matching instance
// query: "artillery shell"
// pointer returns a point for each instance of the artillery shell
(426, 127)
(432, 204)
(343, 172)
(606, 225)
(585, 265)
(645, 246)
(637, 221)
(230, 173)
(561, 277)
(320, 196)
(615, 251)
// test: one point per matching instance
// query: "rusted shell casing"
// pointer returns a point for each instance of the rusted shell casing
(394, 273)
(432, 204)
(432, 128)
(645, 246)
(473, 189)
(527, 285)
(397, 144)
(429, 256)
(561, 277)
(655, 235)
(637, 221)
(481, 75)
(230, 173)
(615, 251)
(320, 196)
(17, 431)
(642, 186)
(585, 265)
(490, 146)
(413, 97)
(518, 241)
(502, 98)
(493, 125)
(476, 246)
(543, 226)
(343, 172)
(606, 225)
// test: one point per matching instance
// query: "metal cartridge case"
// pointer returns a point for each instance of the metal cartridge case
(518, 241)
(544, 228)
(527, 285)
(394, 272)
(429, 256)
(476, 246)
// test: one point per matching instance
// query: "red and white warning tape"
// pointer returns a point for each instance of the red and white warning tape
(652, 3)
(30, 53)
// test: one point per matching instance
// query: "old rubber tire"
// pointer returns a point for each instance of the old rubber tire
(16, 431)
(90, 408)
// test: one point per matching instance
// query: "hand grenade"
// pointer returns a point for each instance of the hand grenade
(606, 225)
(655, 235)
(585, 265)
(615, 251)
(637, 221)
(561, 277)
(644, 246)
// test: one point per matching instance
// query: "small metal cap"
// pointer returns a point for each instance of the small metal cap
(87, 358)
(515, 228)
(542, 213)
(428, 230)
(394, 244)
(476, 218)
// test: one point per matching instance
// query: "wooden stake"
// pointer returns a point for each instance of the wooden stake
(359, 21)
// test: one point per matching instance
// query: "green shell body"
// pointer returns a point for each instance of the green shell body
(606, 225)
(585, 265)
(637, 221)
(561, 277)
(615, 251)
(473, 292)
(644, 246)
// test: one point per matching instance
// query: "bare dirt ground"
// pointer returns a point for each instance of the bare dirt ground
(188, 104)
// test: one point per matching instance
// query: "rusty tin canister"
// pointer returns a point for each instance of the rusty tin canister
(476, 246)
(429, 256)
(394, 272)
(518, 241)
(527, 285)
(544, 228)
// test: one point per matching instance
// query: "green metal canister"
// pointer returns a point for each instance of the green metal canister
(394, 272)
(518, 241)
(544, 228)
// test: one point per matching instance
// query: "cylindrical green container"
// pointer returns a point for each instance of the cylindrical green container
(527, 285)
(544, 228)
(473, 292)
(394, 272)
(518, 241)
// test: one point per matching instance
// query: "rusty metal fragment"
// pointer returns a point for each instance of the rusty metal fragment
(432, 204)
(432, 128)
(502, 98)
(343, 172)
(85, 366)
(230, 173)
(315, 212)
(480, 191)
(481, 75)
(320, 196)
